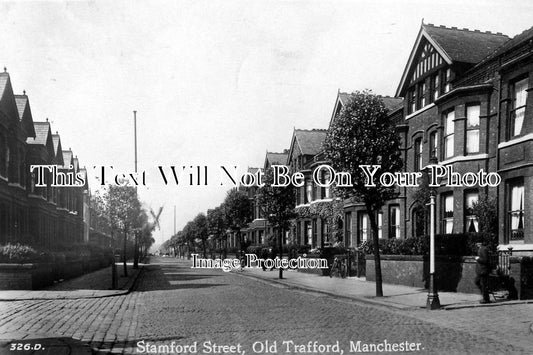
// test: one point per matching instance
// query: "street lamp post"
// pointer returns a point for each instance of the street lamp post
(433, 301)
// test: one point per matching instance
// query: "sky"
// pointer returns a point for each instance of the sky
(214, 83)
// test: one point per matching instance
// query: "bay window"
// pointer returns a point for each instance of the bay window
(394, 222)
(471, 221)
(472, 129)
(516, 210)
(447, 213)
(449, 134)
(518, 106)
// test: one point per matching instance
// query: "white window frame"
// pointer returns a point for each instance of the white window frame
(472, 128)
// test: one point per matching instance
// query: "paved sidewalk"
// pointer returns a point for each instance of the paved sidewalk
(93, 285)
(397, 296)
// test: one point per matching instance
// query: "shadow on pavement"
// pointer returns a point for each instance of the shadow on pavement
(161, 277)
(97, 280)
(186, 277)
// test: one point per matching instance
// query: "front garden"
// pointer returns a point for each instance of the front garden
(26, 267)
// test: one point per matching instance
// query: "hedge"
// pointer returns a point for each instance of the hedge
(20, 253)
(460, 244)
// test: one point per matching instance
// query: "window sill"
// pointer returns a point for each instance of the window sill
(321, 200)
(516, 245)
(464, 158)
(517, 140)
(303, 205)
(419, 111)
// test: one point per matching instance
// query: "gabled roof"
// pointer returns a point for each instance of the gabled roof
(57, 143)
(453, 45)
(24, 111)
(391, 104)
(310, 141)
(340, 102)
(58, 151)
(272, 158)
(83, 170)
(43, 136)
(42, 133)
(7, 100)
(67, 159)
(517, 40)
(464, 45)
(343, 97)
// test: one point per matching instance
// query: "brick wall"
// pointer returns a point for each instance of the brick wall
(455, 274)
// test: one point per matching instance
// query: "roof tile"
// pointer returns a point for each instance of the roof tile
(310, 141)
(277, 158)
(41, 133)
(463, 45)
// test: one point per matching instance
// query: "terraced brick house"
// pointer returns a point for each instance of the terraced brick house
(310, 229)
(467, 106)
(39, 216)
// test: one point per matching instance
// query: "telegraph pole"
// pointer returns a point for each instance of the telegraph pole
(136, 232)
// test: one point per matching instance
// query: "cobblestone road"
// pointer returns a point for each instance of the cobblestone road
(173, 303)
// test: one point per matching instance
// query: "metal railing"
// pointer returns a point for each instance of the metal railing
(501, 262)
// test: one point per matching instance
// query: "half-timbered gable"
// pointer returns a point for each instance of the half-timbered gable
(439, 56)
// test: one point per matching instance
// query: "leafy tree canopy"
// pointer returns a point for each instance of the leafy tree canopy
(277, 202)
(237, 209)
(363, 134)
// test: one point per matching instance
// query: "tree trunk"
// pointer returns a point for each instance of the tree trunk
(204, 248)
(136, 251)
(124, 252)
(377, 259)
(240, 241)
(280, 251)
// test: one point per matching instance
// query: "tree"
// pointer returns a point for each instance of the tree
(189, 237)
(99, 213)
(237, 212)
(486, 211)
(200, 231)
(124, 210)
(278, 205)
(216, 224)
(363, 134)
